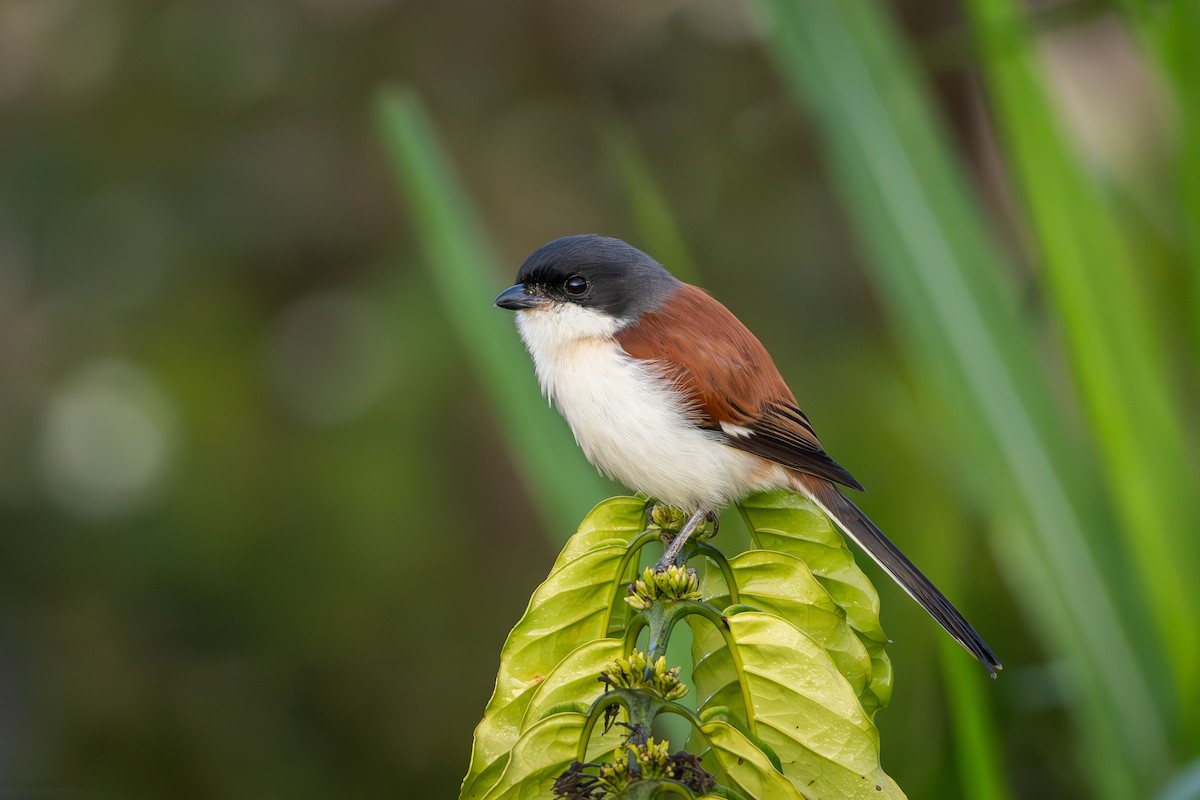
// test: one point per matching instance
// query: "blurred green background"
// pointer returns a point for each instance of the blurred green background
(275, 480)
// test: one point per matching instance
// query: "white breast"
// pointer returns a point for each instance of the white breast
(627, 416)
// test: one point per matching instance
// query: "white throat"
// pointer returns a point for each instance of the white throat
(555, 332)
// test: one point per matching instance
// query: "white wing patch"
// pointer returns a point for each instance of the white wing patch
(735, 430)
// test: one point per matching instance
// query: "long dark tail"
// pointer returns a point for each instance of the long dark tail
(854, 523)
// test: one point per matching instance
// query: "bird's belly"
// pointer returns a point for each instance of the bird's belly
(635, 427)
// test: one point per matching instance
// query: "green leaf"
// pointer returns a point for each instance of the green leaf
(575, 679)
(572, 682)
(746, 766)
(617, 520)
(570, 609)
(783, 585)
(800, 703)
(809, 578)
(807, 712)
(787, 522)
(716, 678)
(539, 756)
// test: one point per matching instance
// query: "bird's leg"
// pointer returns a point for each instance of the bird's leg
(680, 540)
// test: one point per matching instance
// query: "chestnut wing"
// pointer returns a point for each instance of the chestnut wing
(731, 382)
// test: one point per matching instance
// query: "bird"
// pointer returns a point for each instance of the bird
(668, 393)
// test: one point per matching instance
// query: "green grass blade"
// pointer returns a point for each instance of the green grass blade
(942, 277)
(974, 729)
(652, 214)
(1169, 32)
(1099, 733)
(465, 276)
(1118, 357)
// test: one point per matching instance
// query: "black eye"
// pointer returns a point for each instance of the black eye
(576, 284)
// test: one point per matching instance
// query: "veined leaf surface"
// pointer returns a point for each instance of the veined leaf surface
(540, 755)
(787, 522)
(570, 609)
(747, 766)
(783, 585)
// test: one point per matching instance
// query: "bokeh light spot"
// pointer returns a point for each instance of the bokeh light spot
(107, 440)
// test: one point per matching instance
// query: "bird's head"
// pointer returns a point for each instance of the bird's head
(586, 286)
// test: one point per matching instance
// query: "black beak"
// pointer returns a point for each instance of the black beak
(515, 299)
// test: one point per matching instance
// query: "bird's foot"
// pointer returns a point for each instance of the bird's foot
(675, 548)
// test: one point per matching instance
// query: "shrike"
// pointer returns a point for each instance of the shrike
(670, 394)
